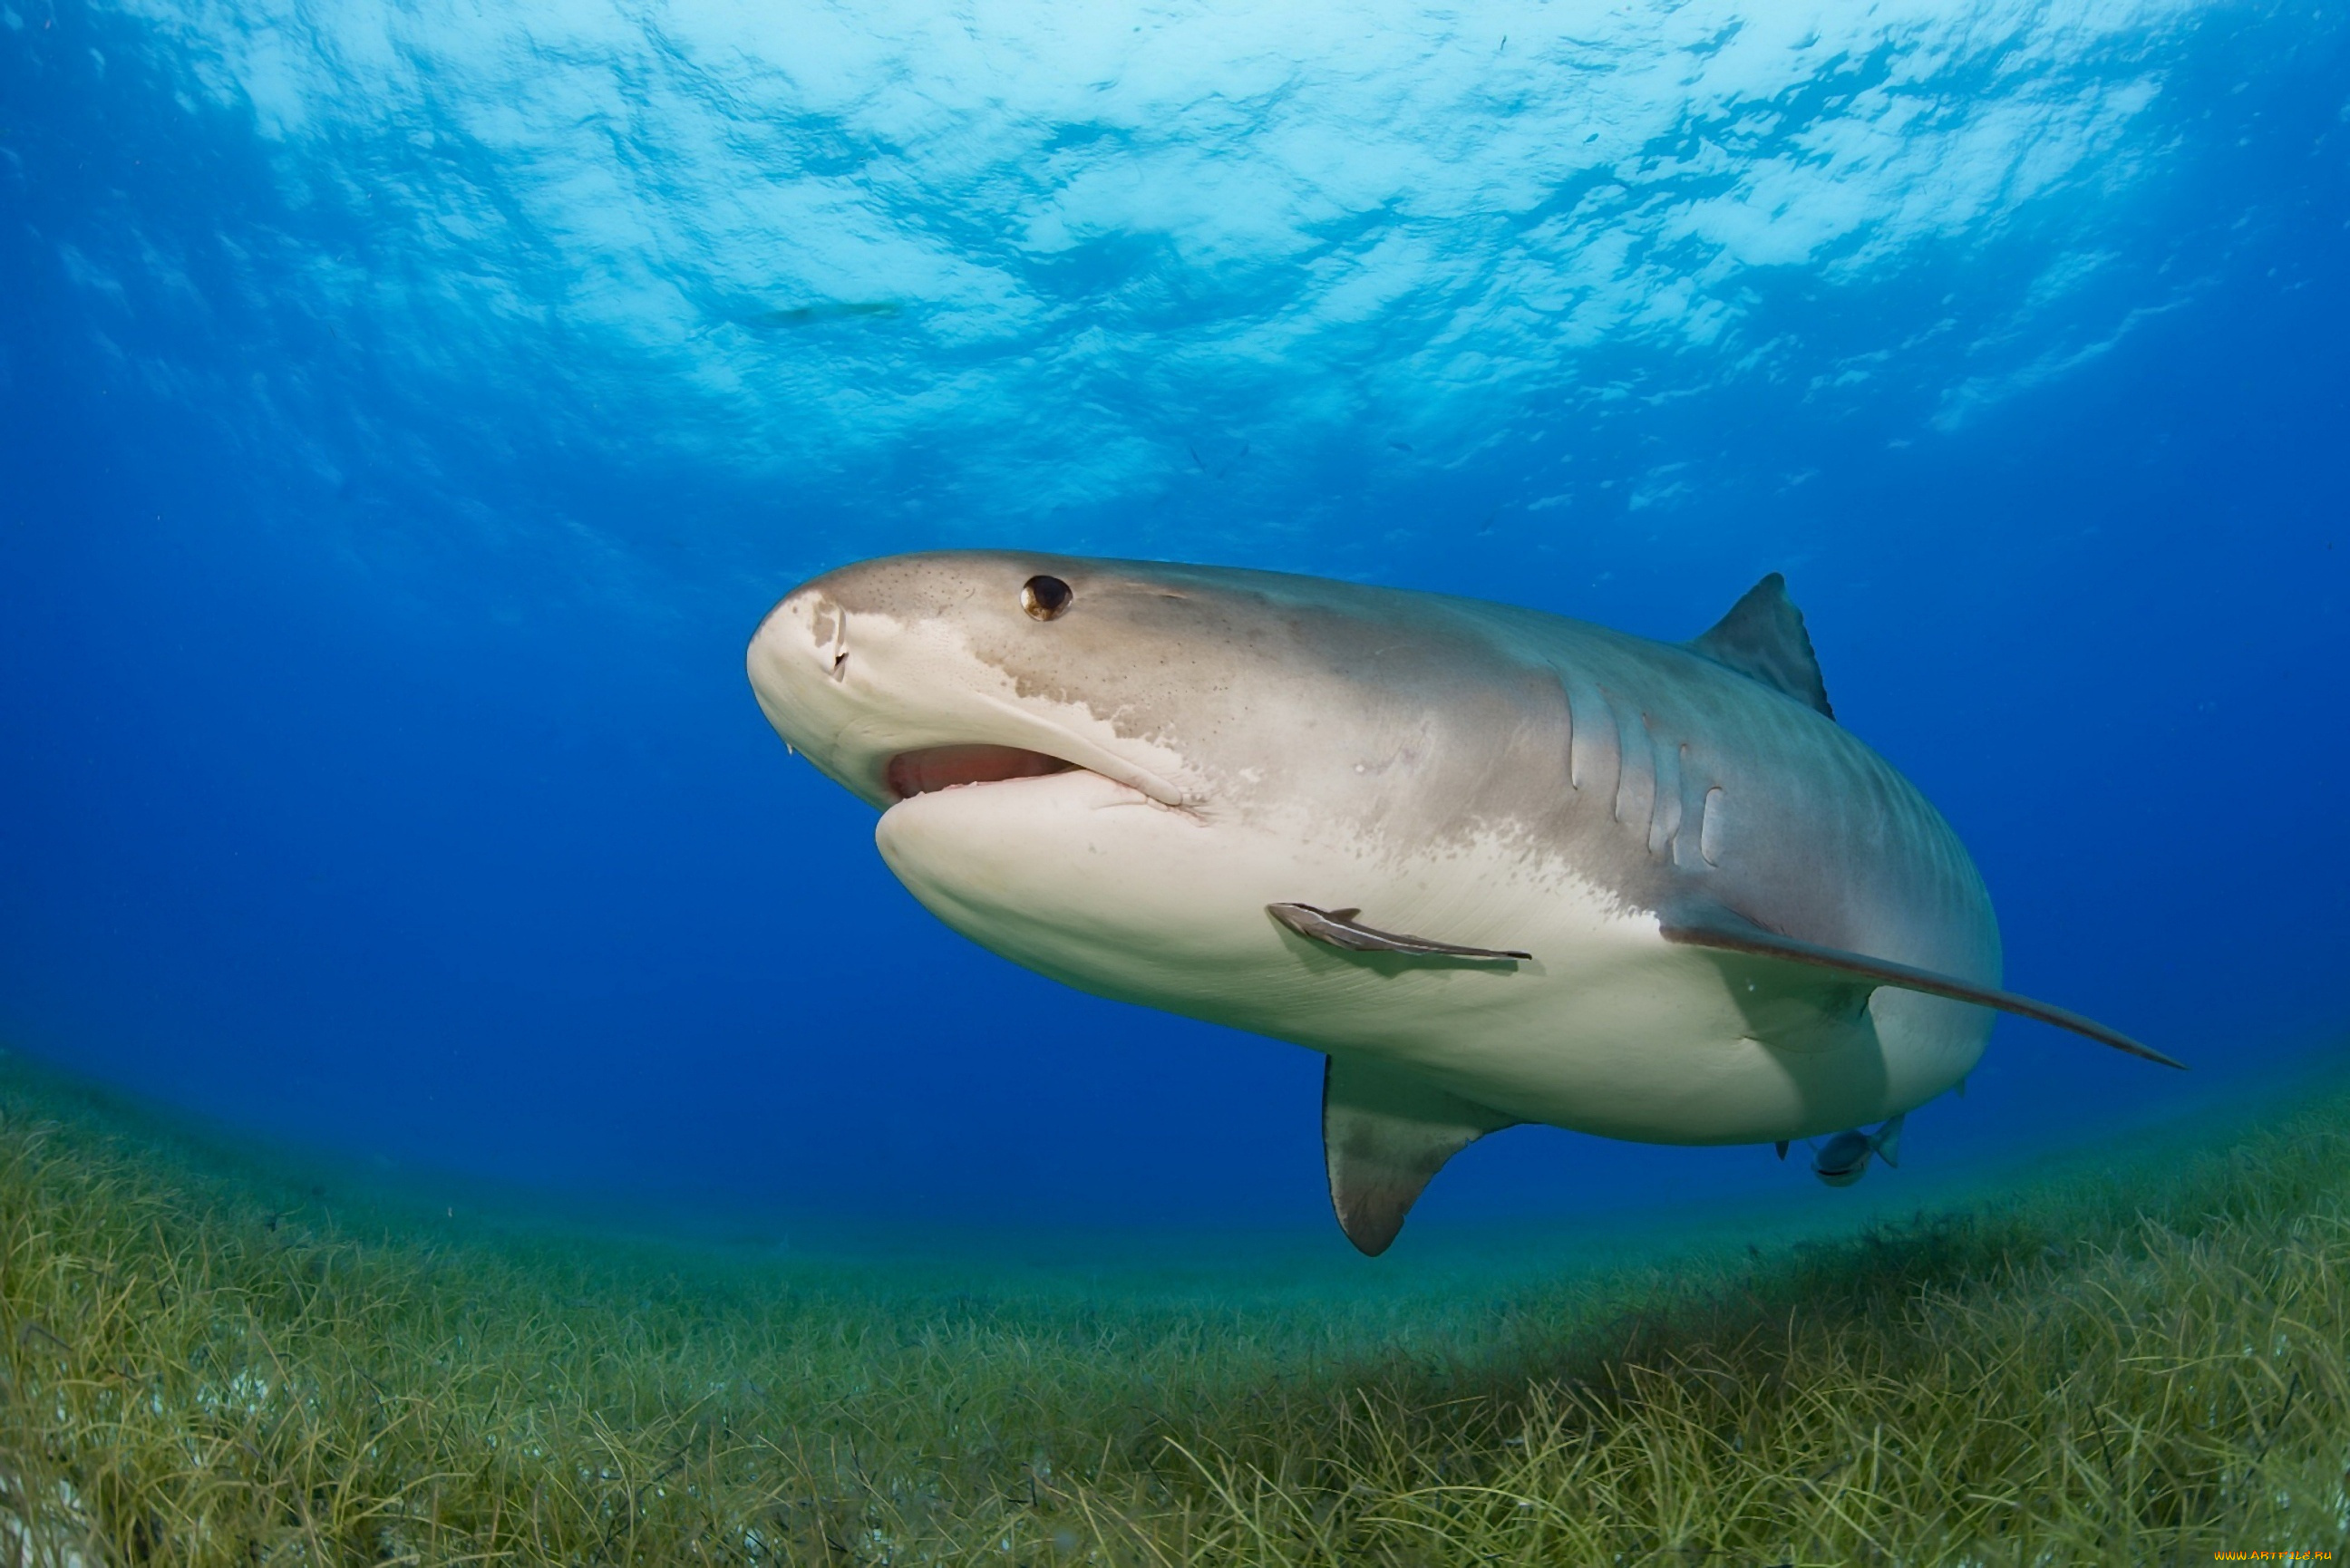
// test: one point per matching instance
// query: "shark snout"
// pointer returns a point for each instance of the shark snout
(891, 708)
(801, 647)
(804, 628)
(798, 662)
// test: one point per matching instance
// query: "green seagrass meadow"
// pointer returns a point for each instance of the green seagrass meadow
(2143, 1358)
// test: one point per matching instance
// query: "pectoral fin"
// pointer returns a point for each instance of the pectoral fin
(1385, 1131)
(1339, 929)
(1725, 931)
(1886, 1141)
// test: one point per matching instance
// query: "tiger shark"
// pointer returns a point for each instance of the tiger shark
(1498, 865)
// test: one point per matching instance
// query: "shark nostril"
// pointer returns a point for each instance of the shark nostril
(831, 630)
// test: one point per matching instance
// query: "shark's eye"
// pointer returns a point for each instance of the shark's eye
(1044, 598)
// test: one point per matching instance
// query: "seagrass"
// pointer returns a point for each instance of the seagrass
(2140, 1364)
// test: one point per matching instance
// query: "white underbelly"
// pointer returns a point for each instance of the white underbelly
(1610, 1030)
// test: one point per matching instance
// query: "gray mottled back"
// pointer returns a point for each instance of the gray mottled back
(1661, 772)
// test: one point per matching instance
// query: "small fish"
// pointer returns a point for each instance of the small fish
(1340, 928)
(822, 310)
(1844, 1158)
(1398, 445)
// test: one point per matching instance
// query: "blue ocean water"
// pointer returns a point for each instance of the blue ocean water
(410, 409)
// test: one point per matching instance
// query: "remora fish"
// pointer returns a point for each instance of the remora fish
(1500, 865)
(1844, 1159)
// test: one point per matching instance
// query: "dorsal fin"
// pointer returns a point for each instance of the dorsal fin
(1762, 637)
(1385, 1131)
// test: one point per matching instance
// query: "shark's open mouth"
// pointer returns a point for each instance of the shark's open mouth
(911, 774)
